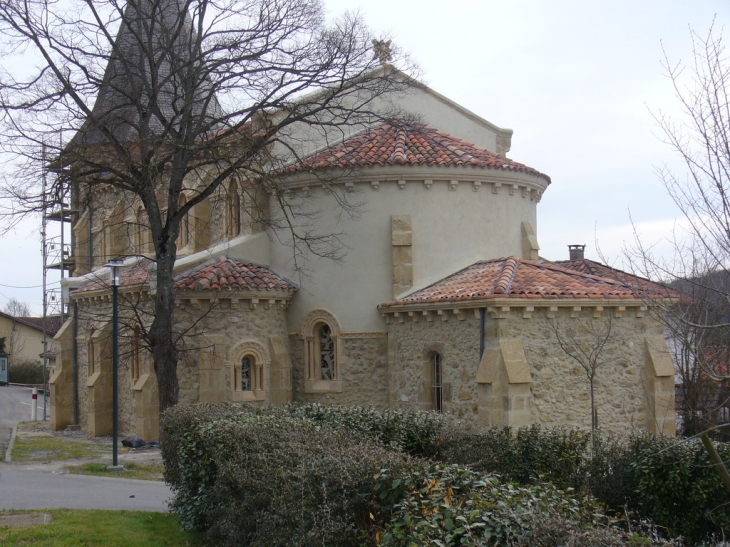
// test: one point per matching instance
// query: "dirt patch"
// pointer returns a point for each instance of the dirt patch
(24, 520)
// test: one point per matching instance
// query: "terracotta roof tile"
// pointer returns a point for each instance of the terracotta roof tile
(515, 278)
(640, 284)
(407, 144)
(218, 274)
(228, 274)
(134, 276)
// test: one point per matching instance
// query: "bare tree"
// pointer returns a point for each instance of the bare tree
(698, 322)
(16, 308)
(186, 94)
(584, 341)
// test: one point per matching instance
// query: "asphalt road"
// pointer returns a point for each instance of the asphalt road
(15, 406)
(31, 489)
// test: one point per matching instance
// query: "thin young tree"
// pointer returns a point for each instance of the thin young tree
(699, 321)
(584, 341)
(151, 94)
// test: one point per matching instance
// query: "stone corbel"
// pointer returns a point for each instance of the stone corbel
(527, 312)
(575, 312)
(402, 184)
(375, 184)
(495, 187)
(619, 313)
(597, 312)
(453, 184)
(427, 184)
(475, 185)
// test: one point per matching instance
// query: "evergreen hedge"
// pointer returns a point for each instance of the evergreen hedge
(314, 475)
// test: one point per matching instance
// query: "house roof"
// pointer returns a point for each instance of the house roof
(229, 274)
(516, 278)
(218, 274)
(640, 284)
(53, 323)
(407, 144)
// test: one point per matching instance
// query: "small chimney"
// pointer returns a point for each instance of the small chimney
(576, 252)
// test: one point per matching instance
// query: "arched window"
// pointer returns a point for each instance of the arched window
(326, 350)
(437, 382)
(233, 213)
(183, 237)
(322, 366)
(248, 375)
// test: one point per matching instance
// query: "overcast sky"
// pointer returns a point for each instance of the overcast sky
(577, 81)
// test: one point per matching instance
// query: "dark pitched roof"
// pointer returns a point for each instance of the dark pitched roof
(515, 278)
(407, 144)
(166, 25)
(53, 322)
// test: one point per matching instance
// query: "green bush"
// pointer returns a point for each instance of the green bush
(267, 478)
(413, 432)
(524, 455)
(25, 372)
(450, 505)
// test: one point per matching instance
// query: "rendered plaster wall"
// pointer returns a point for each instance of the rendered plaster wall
(560, 389)
(450, 229)
(363, 372)
(456, 341)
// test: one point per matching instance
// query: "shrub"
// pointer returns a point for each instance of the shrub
(450, 505)
(267, 478)
(413, 432)
(25, 372)
(524, 455)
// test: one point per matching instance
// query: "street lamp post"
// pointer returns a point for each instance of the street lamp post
(114, 266)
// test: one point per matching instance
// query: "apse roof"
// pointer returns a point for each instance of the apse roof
(407, 144)
(228, 274)
(218, 274)
(516, 278)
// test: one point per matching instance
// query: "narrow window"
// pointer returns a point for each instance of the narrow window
(327, 353)
(234, 210)
(246, 369)
(90, 353)
(135, 356)
(437, 388)
(143, 232)
(183, 237)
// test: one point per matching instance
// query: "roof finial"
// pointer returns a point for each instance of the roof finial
(382, 51)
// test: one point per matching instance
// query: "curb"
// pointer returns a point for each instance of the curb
(9, 450)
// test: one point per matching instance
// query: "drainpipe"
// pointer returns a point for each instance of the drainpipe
(482, 314)
(76, 364)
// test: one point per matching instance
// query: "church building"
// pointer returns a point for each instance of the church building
(439, 301)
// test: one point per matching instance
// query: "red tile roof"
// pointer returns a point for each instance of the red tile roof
(407, 144)
(640, 284)
(515, 278)
(231, 274)
(218, 274)
(136, 276)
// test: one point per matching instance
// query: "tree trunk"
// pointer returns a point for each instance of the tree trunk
(162, 344)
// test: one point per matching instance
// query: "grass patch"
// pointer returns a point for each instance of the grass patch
(149, 472)
(55, 448)
(75, 527)
(35, 442)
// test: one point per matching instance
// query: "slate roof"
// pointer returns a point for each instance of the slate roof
(229, 274)
(122, 90)
(516, 278)
(407, 144)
